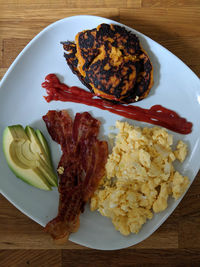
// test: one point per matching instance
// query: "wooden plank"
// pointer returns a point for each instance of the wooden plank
(42, 14)
(2, 72)
(1, 52)
(11, 50)
(186, 48)
(50, 4)
(99, 3)
(134, 257)
(42, 258)
(163, 22)
(189, 225)
(133, 4)
(170, 3)
(166, 236)
(27, 23)
(18, 231)
(182, 40)
(15, 4)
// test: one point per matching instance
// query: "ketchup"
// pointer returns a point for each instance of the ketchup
(157, 114)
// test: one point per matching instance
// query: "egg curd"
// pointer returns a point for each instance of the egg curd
(140, 177)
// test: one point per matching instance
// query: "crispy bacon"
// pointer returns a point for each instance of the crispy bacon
(83, 163)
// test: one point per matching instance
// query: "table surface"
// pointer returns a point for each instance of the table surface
(175, 25)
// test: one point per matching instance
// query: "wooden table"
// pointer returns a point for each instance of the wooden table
(175, 25)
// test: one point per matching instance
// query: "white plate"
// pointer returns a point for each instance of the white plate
(21, 102)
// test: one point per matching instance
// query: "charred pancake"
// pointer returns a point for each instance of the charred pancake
(72, 61)
(109, 60)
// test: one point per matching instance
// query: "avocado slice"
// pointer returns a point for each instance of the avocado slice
(44, 161)
(36, 144)
(43, 142)
(26, 158)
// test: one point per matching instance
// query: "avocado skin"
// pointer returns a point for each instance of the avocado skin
(37, 176)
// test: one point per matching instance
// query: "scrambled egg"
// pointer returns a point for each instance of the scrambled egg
(60, 170)
(140, 176)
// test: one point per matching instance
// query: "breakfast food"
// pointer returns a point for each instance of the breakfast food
(28, 156)
(81, 167)
(140, 177)
(110, 61)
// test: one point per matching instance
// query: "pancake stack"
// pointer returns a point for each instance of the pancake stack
(110, 61)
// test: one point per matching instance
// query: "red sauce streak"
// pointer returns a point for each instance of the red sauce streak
(157, 114)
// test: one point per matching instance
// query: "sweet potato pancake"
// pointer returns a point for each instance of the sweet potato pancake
(109, 60)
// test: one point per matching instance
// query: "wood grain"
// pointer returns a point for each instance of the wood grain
(161, 21)
(21, 258)
(170, 3)
(17, 230)
(183, 40)
(10, 50)
(189, 225)
(134, 257)
(67, 4)
(175, 25)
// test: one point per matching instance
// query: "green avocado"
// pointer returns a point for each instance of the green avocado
(44, 144)
(44, 161)
(27, 157)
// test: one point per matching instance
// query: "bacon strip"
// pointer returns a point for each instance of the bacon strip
(83, 160)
